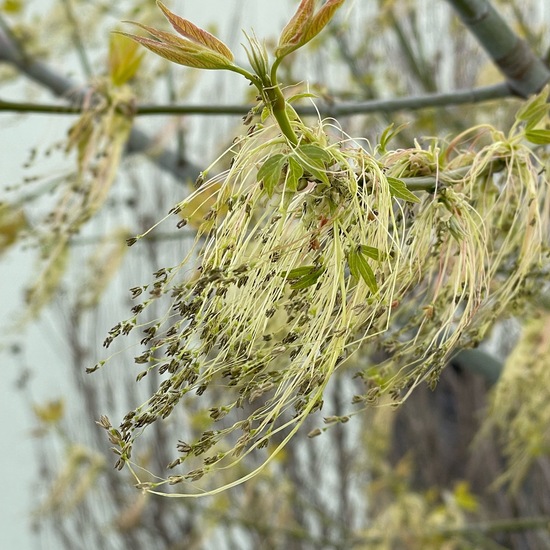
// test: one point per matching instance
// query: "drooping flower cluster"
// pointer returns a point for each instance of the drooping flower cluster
(316, 250)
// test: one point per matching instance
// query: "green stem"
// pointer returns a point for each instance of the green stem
(429, 183)
(248, 75)
(274, 68)
(277, 102)
(274, 99)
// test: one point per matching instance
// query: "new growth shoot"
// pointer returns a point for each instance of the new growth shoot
(313, 252)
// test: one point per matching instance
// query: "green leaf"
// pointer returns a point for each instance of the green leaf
(538, 137)
(294, 173)
(370, 252)
(298, 272)
(534, 110)
(352, 263)
(314, 152)
(270, 172)
(304, 276)
(388, 134)
(303, 95)
(291, 112)
(398, 189)
(312, 158)
(537, 116)
(360, 268)
(307, 280)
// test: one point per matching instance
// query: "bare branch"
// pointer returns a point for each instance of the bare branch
(479, 362)
(426, 101)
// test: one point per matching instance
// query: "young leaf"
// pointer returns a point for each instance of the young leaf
(352, 263)
(270, 172)
(370, 252)
(538, 137)
(312, 158)
(302, 95)
(308, 279)
(398, 189)
(299, 272)
(360, 268)
(315, 152)
(124, 59)
(179, 51)
(304, 25)
(320, 20)
(388, 134)
(198, 48)
(534, 110)
(293, 175)
(196, 34)
(257, 56)
(293, 32)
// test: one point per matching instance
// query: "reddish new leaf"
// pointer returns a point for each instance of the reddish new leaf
(321, 18)
(196, 34)
(167, 38)
(190, 56)
(292, 33)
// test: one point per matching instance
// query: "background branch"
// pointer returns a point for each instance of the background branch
(425, 101)
(524, 71)
(138, 141)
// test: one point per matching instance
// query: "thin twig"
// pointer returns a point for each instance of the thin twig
(426, 101)
(76, 37)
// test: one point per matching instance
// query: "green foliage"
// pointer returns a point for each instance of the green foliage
(398, 188)
(360, 268)
(271, 171)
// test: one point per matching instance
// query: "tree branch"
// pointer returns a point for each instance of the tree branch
(479, 362)
(460, 97)
(76, 37)
(138, 141)
(524, 71)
